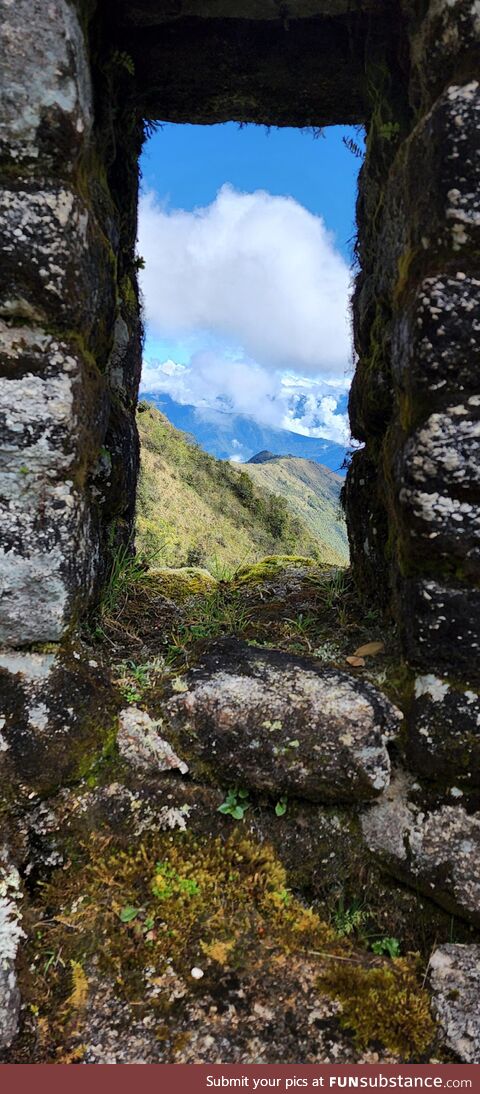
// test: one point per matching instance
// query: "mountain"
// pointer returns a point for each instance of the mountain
(311, 491)
(196, 510)
(235, 436)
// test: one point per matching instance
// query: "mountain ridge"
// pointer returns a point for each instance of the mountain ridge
(194, 509)
(312, 492)
(238, 437)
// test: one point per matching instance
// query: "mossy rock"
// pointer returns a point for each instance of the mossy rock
(180, 584)
(270, 567)
(160, 931)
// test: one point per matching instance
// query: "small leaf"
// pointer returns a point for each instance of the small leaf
(369, 649)
(128, 913)
(225, 807)
(243, 793)
(281, 807)
(355, 662)
(238, 811)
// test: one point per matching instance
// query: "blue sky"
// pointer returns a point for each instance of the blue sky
(247, 236)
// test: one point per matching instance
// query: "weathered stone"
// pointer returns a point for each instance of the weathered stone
(56, 266)
(173, 84)
(437, 851)
(449, 35)
(455, 983)
(442, 628)
(443, 740)
(45, 85)
(58, 717)
(11, 934)
(367, 526)
(436, 342)
(142, 746)
(146, 13)
(270, 722)
(53, 410)
(438, 473)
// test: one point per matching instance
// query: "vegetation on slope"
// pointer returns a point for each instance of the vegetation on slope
(311, 492)
(196, 510)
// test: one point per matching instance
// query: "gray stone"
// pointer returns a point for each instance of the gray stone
(442, 628)
(436, 342)
(57, 716)
(52, 411)
(11, 934)
(271, 722)
(141, 745)
(455, 983)
(439, 469)
(45, 83)
(55, 264)
(436, 851)
(443, 738)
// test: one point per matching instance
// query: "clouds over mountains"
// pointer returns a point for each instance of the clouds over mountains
(255, 290)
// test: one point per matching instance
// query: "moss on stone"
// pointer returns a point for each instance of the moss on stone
(271, 567)
(157, 910)
(386, 1004)
(180, 584)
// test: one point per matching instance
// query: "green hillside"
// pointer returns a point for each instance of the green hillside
(196, 510)
(311, 491)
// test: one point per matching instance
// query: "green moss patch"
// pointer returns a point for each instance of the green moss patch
(386, 1004)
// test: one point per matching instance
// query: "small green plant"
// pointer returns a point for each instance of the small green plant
(126, 571)
(348, 919)
(390, 947)
(236, 803)
(389, 130)
(169, 883)
(122, 60)
(129, 913)
(281, 806)
(136, 678)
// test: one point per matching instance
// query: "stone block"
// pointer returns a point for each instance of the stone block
(430, 212)
(58, 716)
(449, 36)
(455, 984)
(57, 267)
(53, 410)
(436, 341)
(45, 86)
(264, 720)
(441, 627)
(11, 935)
(438, 851)
(443, 733)
(438, 473)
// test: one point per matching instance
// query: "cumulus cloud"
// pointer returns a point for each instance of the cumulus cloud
(213, 384)
(259, 271)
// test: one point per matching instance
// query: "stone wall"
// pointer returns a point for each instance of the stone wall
(413, 490)
(78, 81)
(69, 142)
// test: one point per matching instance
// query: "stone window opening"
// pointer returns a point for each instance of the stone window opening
(369, 788)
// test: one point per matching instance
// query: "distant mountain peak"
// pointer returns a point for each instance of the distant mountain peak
(263, 457)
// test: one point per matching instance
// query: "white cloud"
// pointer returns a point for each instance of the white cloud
(260, 272)
(308, 405)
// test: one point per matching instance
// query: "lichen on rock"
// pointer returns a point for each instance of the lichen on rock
(265, 720)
